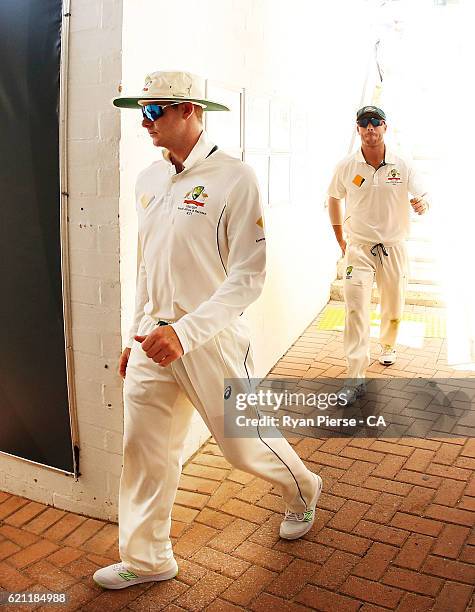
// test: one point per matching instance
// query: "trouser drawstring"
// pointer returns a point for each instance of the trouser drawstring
(377, 248)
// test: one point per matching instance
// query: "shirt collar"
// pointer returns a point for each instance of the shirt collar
(388, 156)
(199, 152)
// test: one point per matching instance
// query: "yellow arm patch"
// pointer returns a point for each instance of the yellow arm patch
(145, 199)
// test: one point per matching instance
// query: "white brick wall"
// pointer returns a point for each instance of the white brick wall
(93, 171)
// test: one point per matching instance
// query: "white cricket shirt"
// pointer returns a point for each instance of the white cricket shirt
(377, 201)
(201, 243)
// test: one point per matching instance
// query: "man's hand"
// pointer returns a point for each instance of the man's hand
(419, 205)
(124, 359)
(342, 244)
(161, 345)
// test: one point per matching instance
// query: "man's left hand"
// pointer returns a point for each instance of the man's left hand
(162, 345)
(419, 205)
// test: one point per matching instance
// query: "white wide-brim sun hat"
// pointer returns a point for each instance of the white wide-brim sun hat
(171, 87)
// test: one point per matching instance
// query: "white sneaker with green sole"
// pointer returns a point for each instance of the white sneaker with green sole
(296, 524)
(117, 576)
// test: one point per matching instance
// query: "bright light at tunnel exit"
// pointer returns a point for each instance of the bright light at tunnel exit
(426, 51)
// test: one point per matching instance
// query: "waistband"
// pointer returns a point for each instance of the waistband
(160, 321)
(371, 244)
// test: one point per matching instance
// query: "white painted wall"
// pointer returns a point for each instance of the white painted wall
(319, 58)
(93, 150)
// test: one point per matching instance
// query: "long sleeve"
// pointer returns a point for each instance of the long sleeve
(141, 295)
(245, 266)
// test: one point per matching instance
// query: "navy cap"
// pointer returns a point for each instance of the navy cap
(374, 111)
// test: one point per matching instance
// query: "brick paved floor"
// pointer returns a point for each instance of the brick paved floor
(394, 529)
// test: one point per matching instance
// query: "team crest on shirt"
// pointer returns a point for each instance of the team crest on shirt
(196, 196)
(393, 176)
(194, 201)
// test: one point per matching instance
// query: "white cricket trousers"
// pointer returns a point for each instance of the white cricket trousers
(158, 405)
(364, 262)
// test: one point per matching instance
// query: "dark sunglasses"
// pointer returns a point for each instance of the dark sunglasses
(375, 122)
(152, 112)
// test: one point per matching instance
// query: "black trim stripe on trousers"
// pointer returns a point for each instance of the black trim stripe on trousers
(264, 442)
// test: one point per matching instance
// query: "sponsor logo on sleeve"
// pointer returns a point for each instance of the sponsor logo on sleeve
(260, 223)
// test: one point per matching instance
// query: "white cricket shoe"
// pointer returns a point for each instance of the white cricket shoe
(117, 576)
(351, 393)
(388, 355)
(296, 524)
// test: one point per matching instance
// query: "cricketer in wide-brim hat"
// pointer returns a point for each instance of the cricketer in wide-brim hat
(171, 87)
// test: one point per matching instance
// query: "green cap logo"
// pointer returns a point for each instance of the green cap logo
(197, 191)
